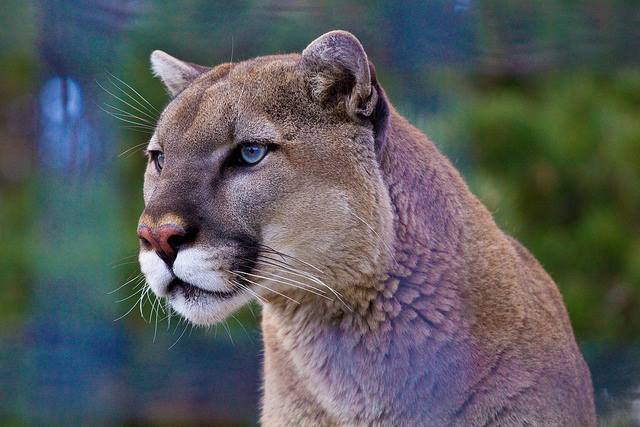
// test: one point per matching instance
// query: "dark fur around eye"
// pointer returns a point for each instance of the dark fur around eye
(157, 158)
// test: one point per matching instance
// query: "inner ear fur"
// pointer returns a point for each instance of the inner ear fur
(175, 73)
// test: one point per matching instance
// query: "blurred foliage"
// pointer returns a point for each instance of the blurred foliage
(557, 160)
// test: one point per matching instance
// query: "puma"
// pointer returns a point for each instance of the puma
(389, 295)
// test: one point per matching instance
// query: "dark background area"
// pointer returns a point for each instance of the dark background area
(537, 103)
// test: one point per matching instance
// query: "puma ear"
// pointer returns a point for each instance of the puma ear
(174, 73)
(337, 69)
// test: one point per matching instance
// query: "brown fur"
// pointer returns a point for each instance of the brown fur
(442, 320)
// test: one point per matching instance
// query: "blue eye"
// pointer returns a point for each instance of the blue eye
(251, 153)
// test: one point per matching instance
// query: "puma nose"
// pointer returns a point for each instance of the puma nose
(165, 239)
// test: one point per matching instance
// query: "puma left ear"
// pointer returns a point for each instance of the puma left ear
(174, 73)
(337, 69)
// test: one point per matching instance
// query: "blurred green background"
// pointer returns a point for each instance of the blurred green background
(537, 103)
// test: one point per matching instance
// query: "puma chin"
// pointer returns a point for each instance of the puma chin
(253, 191)
(197, 291)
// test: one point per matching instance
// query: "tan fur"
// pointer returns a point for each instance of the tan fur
(442, 319)
(167, 218)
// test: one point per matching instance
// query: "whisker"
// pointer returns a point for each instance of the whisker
(137, 276)
(155, 329)
(180, 320)
(303, 286)
(248, 289)
(319, 282)
(132, 295)
(286, 266)
(277, 281)
(242, 326)
(125, 102)
(168, 307)
(129, 114)
(137, 129)
(378, 236)
(135, 91)
(124, 263)
(150, 302)
(125, 258)
(141, 302)
(130, 149)
(183, 331)
(127, 313)
(264, 287)
(117, 116)
(288, 269)
(282, 254)
(226, 328)
(251, 310)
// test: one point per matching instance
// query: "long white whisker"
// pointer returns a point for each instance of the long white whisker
(126, 257)
(124, 263)
(251, 310)
(242, 326)
(316, 280)
(226, 328)
(264, 287)
(136, 92)
(272, 279)
(140, 130)
(378, 236)
(127, 313)
(128, 150)
(186, 325)
(132, 295)
(290, 270)
(155, 329)
(303, 286)
(141, 302)
(282, 254)
(168, 307)
(137, 276)
(117, 116)
(248, 289)
(122, 112)
(285, 264)
(150, 302)
(125, 102)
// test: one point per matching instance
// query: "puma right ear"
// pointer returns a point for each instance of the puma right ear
(337, 69)
(174, 73)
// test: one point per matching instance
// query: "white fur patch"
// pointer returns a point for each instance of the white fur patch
(155, 271)
(194, 266)
(207, 310)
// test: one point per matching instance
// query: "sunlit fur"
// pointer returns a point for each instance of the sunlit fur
(390, 296)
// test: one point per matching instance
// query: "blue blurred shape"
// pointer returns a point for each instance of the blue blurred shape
(64, 139)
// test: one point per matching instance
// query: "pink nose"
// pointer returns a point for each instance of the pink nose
(165, 239)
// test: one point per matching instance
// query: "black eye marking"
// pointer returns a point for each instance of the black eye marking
(157, 157)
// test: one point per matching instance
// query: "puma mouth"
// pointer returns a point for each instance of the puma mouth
(190, 291)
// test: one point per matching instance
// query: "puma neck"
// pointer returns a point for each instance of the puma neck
(409, 313)
(427, 199)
